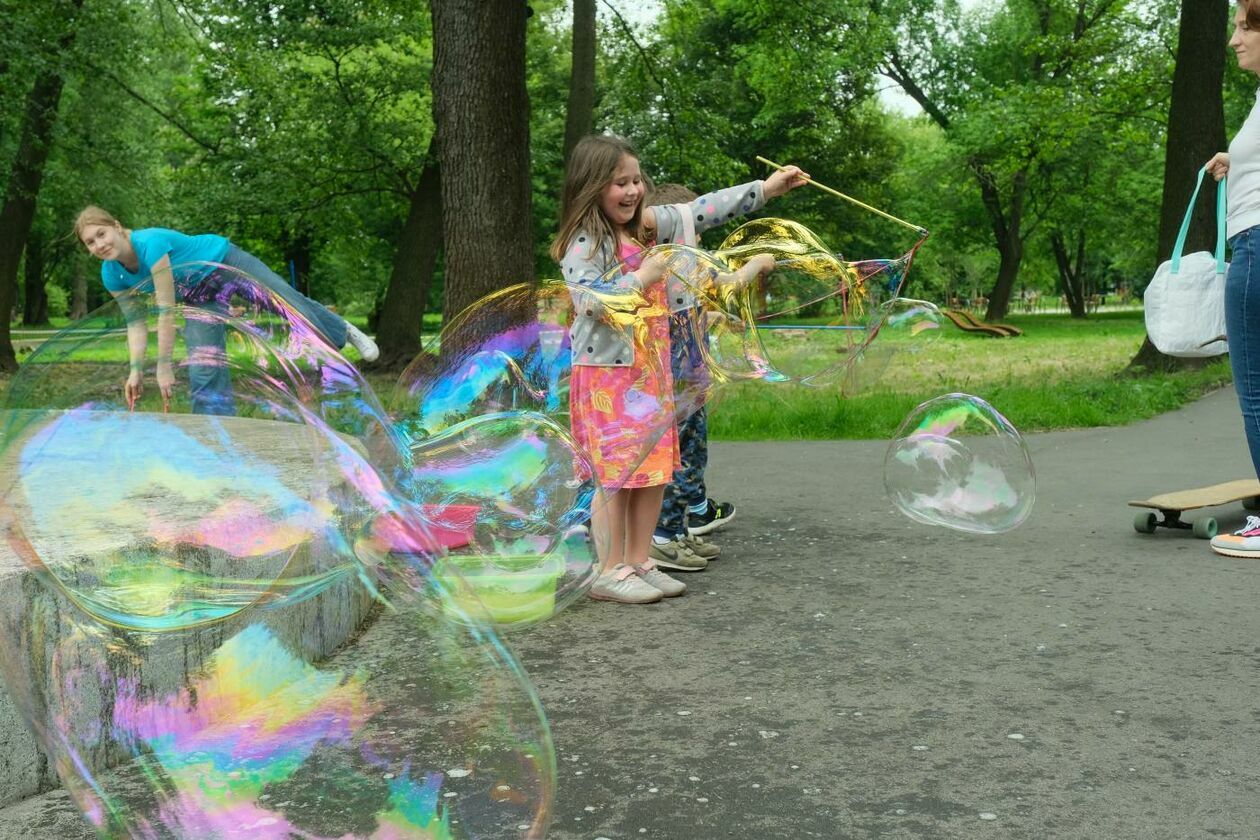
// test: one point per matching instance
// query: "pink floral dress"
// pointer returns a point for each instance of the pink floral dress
(624, 416)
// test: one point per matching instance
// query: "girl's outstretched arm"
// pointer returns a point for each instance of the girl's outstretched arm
(716, 208)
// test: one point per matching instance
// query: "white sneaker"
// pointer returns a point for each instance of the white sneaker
(657, 579)
(621, 584)
(359, 340)
(1245, 542)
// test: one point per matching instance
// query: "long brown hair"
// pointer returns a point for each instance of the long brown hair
(591, 167)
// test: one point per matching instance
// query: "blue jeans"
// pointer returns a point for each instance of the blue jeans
(1242, 325)
(205, 339)
(331, 325)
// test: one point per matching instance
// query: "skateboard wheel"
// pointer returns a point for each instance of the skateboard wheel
(1144, 523)
(1251, 504)
(1204, 528)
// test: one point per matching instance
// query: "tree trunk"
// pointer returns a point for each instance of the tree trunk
(25, 178)
(1196, 125)
(1196, 131)
(78, 294)
(399, 326)
(481, 112)
(1007, 236)
(35, 308)
(580, 113)
(1071, 278)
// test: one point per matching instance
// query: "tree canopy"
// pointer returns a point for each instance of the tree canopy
(304, 129)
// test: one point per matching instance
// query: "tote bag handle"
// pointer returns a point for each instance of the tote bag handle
(1180, 244)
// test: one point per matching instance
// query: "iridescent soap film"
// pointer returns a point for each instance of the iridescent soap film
(958, 463)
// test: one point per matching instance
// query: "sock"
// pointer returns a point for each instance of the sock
(659, 540)
(699, 507)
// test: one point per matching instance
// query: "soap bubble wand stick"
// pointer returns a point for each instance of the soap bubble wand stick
(919, 230)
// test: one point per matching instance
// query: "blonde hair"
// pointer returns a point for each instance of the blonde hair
(591, 167)
(93, 215)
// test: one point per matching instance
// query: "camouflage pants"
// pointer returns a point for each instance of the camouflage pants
(687, 488)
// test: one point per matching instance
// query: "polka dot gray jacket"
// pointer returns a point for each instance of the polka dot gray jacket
(601, 344)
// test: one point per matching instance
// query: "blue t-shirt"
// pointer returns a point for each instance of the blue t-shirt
(151, 245)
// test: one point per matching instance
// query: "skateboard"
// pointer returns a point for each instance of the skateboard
(1172, 505)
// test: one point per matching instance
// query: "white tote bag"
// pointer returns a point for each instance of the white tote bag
(1185, 301)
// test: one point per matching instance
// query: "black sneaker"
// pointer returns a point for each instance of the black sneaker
(715, 516)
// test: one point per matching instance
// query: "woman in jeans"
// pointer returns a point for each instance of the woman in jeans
(169, 265)
(1242, 285)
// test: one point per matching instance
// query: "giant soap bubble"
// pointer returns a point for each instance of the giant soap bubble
(179, 585)
(496, 447)
(904, 327)
(956, 462)
(181, 576)
(484, 416)
(812, 317)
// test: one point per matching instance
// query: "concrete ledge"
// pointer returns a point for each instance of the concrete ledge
(58, 660)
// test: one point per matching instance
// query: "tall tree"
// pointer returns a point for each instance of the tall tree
(35, 296)
(712, 85)
(580, 113)
(38, 122)
(994, 84)
(481, 111)
(317, 158)
(398, 327)
(1196, 131)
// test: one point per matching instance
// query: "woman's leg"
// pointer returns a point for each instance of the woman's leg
(331, 325)
(205, 341)
(1242, 325)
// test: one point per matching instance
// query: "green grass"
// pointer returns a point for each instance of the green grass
(1060, 374)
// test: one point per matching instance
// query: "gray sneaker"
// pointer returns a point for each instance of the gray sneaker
(677, 556)
(621, 584)
(654, 577)
(702, 547)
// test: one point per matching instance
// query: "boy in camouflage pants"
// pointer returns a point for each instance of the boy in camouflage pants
(687, 512)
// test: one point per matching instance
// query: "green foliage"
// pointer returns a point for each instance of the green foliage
(548, 63)
(1069, 98)
(305, 123)
(277, 125)
(58, 301)
(717, 84)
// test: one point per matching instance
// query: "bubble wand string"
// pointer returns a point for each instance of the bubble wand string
(919, 230)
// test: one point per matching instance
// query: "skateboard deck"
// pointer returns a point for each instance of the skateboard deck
(1170, 506)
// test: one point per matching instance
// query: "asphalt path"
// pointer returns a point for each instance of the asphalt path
(843, 672)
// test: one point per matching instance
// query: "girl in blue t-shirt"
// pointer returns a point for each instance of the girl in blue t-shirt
(144, 259)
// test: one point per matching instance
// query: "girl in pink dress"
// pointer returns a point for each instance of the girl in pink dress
(621, 391)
